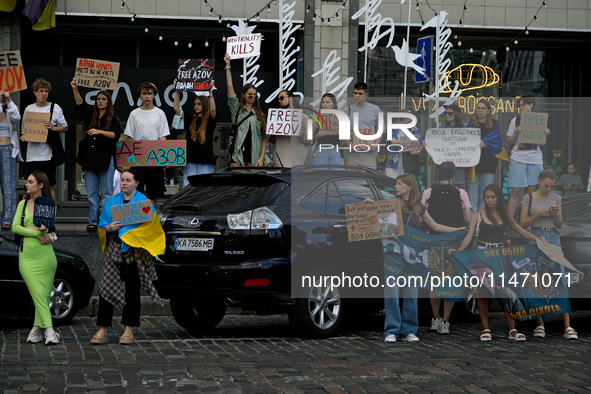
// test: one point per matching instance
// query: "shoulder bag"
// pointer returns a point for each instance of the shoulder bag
(58, 156)
(474, 244)
(235, 127)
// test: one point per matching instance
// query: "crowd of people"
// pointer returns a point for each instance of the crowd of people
(442, 208)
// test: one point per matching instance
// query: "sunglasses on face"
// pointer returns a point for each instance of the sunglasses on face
(281, 98)
(449, 113)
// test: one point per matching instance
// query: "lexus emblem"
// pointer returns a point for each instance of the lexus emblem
(194, 222)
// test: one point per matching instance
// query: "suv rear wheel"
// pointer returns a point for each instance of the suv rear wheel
(320, 315)
(196, 316)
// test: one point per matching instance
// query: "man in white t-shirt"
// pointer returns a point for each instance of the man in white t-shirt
(39, 154)
(148, 123)
(527, 160)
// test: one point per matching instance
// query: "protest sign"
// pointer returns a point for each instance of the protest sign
(534, 125)
(332, 124)
(555, 253)
(96, 74)
(34, 129)
(152, 153)
(361, 145)
(43, 212)
(12, 76)
(194, 75)
(407, 143)
(133, 212)
(372, 220)
(460, 146)
(241, 47)
(286, 122)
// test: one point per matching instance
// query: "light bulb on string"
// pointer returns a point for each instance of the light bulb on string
(455, 36)
(122, 5)
(544, 4)
(314, 18)
(176, 43)
(483, 53)
(133, 17)
(228, 25)
(461, 23)
(206, 42)
(417, 8)
(535, 18)
(258, 18)
(220, 19)
(160, 38)
(465, 10)
(224, 38)
(526, 31)
(210, 11)
(190, 44)
(507, 49)
(515, 42)
(268, 8)
(275, 2)
(338, 17)
(308, 10)
(246, 24)
(146, 30)
(471, 50)
(460, 43)
(328, 23)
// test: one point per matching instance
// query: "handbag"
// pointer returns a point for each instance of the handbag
(82, 145)
(178, 123)
(58, 156)
(234, 130)
(474, 244)
(18, 239)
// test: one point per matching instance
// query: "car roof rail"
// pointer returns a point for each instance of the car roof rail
(333, 167)
(263, 170)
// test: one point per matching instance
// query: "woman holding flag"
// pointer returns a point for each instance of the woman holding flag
(129, 252)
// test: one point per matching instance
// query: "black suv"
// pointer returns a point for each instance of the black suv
(239, 236)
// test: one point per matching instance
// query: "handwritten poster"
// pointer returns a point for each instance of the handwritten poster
(555, 253)
(133, 212)
(534, 125)
(372, 220)
(332, 124)
(151, 153)
(286, 122)
(194, 75)
(361, 145)
(460, 146)
(12, 76)
(408, 144)
(34, 129)
(44, 212)
(96, 74)
(241, 47)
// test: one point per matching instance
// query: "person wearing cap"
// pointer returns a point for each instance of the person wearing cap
(489, 225)
(148, 123)
(397, 163)
(446, 173)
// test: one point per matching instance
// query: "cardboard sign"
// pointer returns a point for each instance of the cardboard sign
(133, 212)
(96, 74)
(555, 253)
(151, 153)
(407, 143)
(12, 76)
(34, 129)
(241, 47)
(361, 145)
(379, 219)
(460, 146)
(534, 125)
(43, 212)
(286, 122)
(194, 75)
(332, 124)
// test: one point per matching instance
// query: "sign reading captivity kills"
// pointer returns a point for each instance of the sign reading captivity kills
(194, 75)
(133, 212)
(34, 129)
(152, 153)
(241, 47)
(12, 76)
(96, 74)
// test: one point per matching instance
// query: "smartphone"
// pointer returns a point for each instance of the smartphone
(554, 207)
(52, 236)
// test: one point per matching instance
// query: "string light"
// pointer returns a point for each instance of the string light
(258, 18)
(526, 31)
(471, 50)
(507, 49)
(483, 53)
(307, 9)
(269, 8)
(220, 19)
(146, 30)
(133, 17)
(224, 38)
(544, 4)
(535, 18)
(122, 5)
(328, 23)
(465, 10)
(190, 44)
(176, 43)
(460, 43)
(228, 25)
(160, 38)
(516, 42)
(206, 42)
(338, 17)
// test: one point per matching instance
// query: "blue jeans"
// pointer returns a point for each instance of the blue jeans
(8, 183)
(476, 190)
(94, 180)
(402, 316)
(195, 169)
(327, 156)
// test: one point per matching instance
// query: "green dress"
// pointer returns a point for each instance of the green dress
(37, 265)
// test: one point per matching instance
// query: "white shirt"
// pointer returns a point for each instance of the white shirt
(147, 125)
(41, 151)
(524, 156)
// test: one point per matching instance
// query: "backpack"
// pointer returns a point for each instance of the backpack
(445, 205)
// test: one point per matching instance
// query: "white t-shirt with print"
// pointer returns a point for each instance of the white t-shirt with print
(41, 151)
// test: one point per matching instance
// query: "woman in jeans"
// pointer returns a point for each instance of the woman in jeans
(542, 210)
(397, 163)
(98, 162)
(9, 152)
(494, 219)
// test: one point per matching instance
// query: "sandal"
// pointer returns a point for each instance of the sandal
(99, 338)
(540, 332)
(91, 228)
(6, 227)
(517, 337)
(570, 333)
(126, 339)
(486, 335)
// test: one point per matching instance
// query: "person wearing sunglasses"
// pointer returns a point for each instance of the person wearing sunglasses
(290, 151)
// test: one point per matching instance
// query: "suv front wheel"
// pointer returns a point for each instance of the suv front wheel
(196, 316)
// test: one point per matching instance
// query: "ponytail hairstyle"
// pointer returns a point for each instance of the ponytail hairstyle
(205, 113)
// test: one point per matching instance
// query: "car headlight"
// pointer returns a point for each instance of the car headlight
(258, 219)
(162, 218)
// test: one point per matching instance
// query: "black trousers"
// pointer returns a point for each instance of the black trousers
(131, 310)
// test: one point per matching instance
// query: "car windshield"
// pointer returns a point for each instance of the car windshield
(577, 209)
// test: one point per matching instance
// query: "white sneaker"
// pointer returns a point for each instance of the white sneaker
(410, 338)
(51, 337)
(435, 324)
(35, 336)
(390, 339)
(443, 328)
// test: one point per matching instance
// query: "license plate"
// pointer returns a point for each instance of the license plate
(193, 244)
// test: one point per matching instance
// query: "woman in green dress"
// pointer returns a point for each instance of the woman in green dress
(37, 262)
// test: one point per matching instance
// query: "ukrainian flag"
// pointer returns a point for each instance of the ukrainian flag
(41, 13)
(7, 5)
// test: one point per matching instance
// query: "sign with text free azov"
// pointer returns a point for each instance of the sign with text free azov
(152, 153)
(286, 122)
(372, 220)
(12, 76)
(96, 74)
(34, 129)
(241, 47)
(460, 146)
(534, 126)
(194, 75)
(133, 212)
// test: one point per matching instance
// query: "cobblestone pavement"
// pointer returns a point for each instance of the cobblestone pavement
(252, 354)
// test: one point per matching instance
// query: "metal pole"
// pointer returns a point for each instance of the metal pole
(437, 38)
(365, 38)
(405, 56)
(281, 44)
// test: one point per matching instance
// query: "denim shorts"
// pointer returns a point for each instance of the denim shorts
(523, 174)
